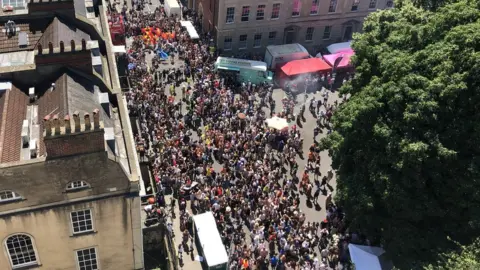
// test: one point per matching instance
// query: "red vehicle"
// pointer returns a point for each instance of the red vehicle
(117, 29)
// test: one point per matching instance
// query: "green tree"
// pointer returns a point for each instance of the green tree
(406, 145)
(467, 258)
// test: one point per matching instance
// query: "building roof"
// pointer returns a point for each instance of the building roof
(58, 31)
(12, 112)
(40, 32)
(10, 44)
(71, 93)
(45, 182)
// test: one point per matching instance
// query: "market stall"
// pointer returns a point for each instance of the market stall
(299, 71)
(340, 60)
(339, 47)
(369, 257)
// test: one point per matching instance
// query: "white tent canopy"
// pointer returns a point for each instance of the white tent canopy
(277, 123)
(338, 47)
(119, 49)
(192, 32)
(369, 258)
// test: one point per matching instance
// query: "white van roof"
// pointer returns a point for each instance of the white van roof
(279, 50)
(210, 239)
(192, 32)
(241, 63)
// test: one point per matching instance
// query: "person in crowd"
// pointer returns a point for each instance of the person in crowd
(214, 137)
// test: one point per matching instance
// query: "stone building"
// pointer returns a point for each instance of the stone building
(69, 180)
(247, 27)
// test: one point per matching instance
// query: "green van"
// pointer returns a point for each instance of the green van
(244, 70)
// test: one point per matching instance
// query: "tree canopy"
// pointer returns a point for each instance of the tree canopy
(467, 258)
(406, 145)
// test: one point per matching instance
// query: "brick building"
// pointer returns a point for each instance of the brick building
(69, 180)
(246, 26)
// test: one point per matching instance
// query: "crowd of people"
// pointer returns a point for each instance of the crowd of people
(210, 144)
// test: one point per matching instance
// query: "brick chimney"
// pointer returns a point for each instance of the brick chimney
(47, 125)
(96, 119)
(63, 139)
(88, 124)
(76, 119)
(68, 125)
(56, 125)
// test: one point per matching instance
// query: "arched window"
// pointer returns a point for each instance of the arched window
(21, 251)
(77, 185)
(8, 196)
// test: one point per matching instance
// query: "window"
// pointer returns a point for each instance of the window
(315, 6)
(245, 13)
(271, 38)
(9, 196)
(76, 185)
(275, 11)
(389, 4)
(327, 31)
(82, 221)
(257, 40)
(296, 8)
(261, 74)
(355, 5)
(14, 3)
(227, 43)
(333, 6)
(242, 42)
(260, 12)
(21, 251)
(309, 34)
(373, 4)
(230, 18)
(87, 259)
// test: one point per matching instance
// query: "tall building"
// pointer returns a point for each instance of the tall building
(246, 26)
(69, 177)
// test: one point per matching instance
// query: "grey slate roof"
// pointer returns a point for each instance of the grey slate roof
(45, 182)
(58, 31)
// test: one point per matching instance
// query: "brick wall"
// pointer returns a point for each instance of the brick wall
(74, 144)
(50, 6)
(81, 60)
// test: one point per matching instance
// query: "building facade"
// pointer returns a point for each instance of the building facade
(70, 185)
(247, 27)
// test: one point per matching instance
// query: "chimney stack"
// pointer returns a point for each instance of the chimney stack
(56, 124)
(88, 125)
(85, 139)
(76, 119)
(47, 125)
(68, 127)
(96, 119)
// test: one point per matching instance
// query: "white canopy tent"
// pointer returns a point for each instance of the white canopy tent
(369, 258)
(119, 49)
(338, 47)
(192, 32)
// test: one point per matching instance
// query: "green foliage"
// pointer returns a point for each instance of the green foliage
(468, 258)
(407, 144)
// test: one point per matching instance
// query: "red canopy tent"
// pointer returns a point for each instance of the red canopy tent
(303, 66)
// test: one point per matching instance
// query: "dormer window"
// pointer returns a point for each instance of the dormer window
(77, 185)
(9, 196)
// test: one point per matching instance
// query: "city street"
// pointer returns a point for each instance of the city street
(313, 213)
